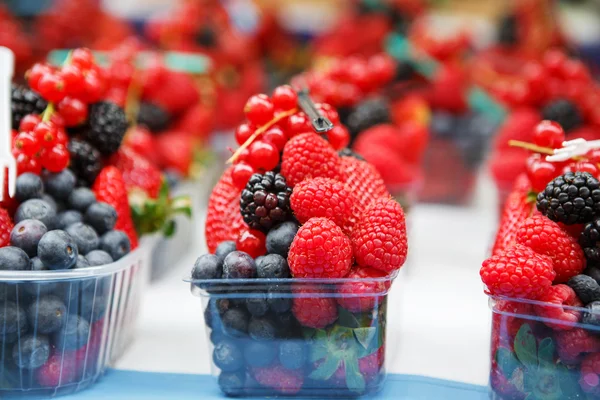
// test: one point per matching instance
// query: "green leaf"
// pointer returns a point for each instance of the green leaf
(339, 333)
(506, 361)
(327, 369)
(321, 335)
(354, 379)
(546, 353)
(318, 352)
(346, 318)
(182, 205)
(308, 333)
(547, 385)
(481, 102)
(365, 336)
(169, 228)
(525, 347)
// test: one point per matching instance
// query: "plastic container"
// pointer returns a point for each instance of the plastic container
(278, 354)
(534, 355)
(59, 330)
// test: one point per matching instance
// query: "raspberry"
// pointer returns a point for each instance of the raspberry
(545, 237)
(60, 369)
(394, 170)
(6, 226)
(363, 180)
(571, 344)
(313, 311)
(309, 156)
(379, 237)
(365, 292)
(320, 250)
(516, 210)
(559, 295)
(590, 374)
(279, 378)
(517, 272)
(370, 365)
(323, 197)
(505, 320)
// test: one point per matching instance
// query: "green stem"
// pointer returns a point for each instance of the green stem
(48, 112)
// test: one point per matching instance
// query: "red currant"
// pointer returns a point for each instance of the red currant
(360, 76)
(29, 122)
(36, 73)
(73, 111)
(241, 173)
(52, 87)
(56, 158)
(594, 156)
(582, 166)
(27, 143)
(575, 70)
(74, 79)
(243, 133)
(95, 86)
(26, 163)
(338, 137)
(259, 109)
(263, 155)
(382, 68)
(549, 134)
(284, 98)
(297, 124)
(62, 137)
(553, 61)
(275, 136)
(243, 156)
(46, 133)
(540, 172)
(57, 120)
(348, 95)
(251, 242)
(82, 58)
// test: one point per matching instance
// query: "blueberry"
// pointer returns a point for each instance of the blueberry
(257, 305)
(292, 354)
(80, 199)
(262, 329)
(211, 315)
(13, 259)
(238, 265)
(37, 209)
(173, 177)
(207, 266)
(27, 234)
(73, 335)
(84, 236)
(29, 186)
(47, 315)
(31, 352)
(58, 250)
(224, 304)
(232, 383)
(593, 271)
(37, 264)
(50, 200)
(586, 287)
(101, 216)
(67, 218)
(223, 249)
(279, 300)
(260, 354)
(227, 356)
(280, 238)
(115, 243)
(40, 288)
(97, 258)
(443, 125)
(272, 266)
(60, 185)
(13, 319)
(87, 300)
(235, 322)
(592, 315)
(216, 335)
(82, 262)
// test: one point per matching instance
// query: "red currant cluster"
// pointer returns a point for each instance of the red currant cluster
(121, 71)
(442, 49)
(347, 81)
(271, 121)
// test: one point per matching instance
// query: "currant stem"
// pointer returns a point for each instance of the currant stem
(531, 146)
(47, 114)
(259, 132)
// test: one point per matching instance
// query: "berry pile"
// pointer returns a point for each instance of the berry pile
(291, 209)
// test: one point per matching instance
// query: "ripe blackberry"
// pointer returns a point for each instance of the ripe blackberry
(590, 236)
(369, 113)
(24, 101)
(565, 112)
(508, 30)
(106, 127)
(571, 198)
(206, 37)
(153, 117)
(86, 161)
(265, 201)
(346, 152)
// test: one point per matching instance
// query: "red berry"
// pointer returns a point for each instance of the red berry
(363, 180)
(279, 379)
(338, 137)
(55, 159)
(46, 133)
(94, 87)
(73, 111)
(62, 368)
(359, 75)
(590, 374)
(382, 68)
(348, 95)
(259, 109)
(82, 58)
(559, 296)
(284, 98)
(549, 134)
(26, 163)
(62, 137)
(252, 242)
(313, 310)
(582, 166)
(74, 79)
(369, 283)
(263, 155)
(275, 136)
(554, 61)
(36, 73)
(241, 174)
(52, 87)
(298, 124)
(540, 172)
(29, 122)
(27, 143)
(243, 133)
(6, 226)
(57, 120)
(572, 344)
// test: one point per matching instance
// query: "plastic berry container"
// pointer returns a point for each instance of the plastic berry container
(266, 339)
(535, 356)
(60, 330)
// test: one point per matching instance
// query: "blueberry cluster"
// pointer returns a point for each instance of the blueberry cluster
(587, 287)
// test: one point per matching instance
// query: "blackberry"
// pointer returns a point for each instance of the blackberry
(404, 72)
(265, 201)
(369, 113)
(24, 101)
(347, 152)
(153, 117)
(86, 161)
(508, 30)
(206, 37)
(106, 127)
(572, 198)
(565, 112)
(590, 236)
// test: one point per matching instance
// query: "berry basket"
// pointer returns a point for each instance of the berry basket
(538, 351)
(296, 337)
(59, 330)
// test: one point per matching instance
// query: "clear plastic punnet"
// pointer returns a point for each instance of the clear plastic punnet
(536, 353)
(59, 330)
(296, 337)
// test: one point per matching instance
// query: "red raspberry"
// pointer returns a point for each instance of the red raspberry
(6, 226)
(363, 180)
(590, 374)
(320, 250)
(365, 292)
(575, 342)
(546, 237)
(62, 368)
(309, 156)
(505, 321)
(314, 311)
(558, 296)
(516, 210)
(573, 230)
(323, 197)
(517, 272)
(370, 365)
(279, 378)
(379, 237)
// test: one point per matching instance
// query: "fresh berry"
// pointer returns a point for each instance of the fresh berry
(243, 133)
(320, 250)
(97, 258)
(257, 305)
(68, 218)
(235, 322)
(62, 368)
(27, 143)
(586, 288)
(338, 137)
(549, 134)
(369, 113)
(284, 98)
(207, 266)
(86, 160)
(106, 128)
(27, 164)
(31, 351)
(280, 238)
(13, 259)
(558, 296)
(265, 201)
(261, 329)
(259, 109)
(80, 199)
(564, 112)
(153, 117)
(364, 291)
(314, 311)
(540, 172)
(27, 234)
(48, 314)
(238, 265)
(272, 266)
(285, 381)
(73, 111)
(363, 180)
(74, 334)
(138, 172)
(58, 250)
(115, 243)
(251, 242)
(223, 249)
(37, 209)
(592, 314)
(517, 271)
(590, 374)
(263, 155)
(516, 209)
(24, 101)
(309, 156)
(6, 227)
(241, 174)
(589, 238)
(379, 236)
(292, 354)
(84, 236)
(101, 216)
(276, 137)
(259, 354)
(571, 198)
(232, 383)
(573, 343)
(55, 159)
(29, 186)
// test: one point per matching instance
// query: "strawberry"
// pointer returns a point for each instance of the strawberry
(141, 140)
(138, 172)
(363, 180)
(279, 378)
(516, 209)
(181, 92)
(6, 226)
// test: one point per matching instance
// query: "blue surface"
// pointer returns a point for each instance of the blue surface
(132, 385)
